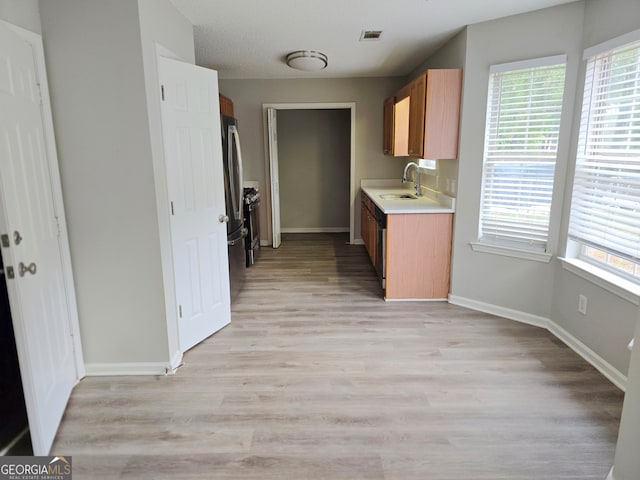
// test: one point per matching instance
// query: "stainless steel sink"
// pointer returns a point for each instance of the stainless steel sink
(398, 196)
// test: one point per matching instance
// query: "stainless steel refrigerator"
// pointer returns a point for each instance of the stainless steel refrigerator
(234, 197)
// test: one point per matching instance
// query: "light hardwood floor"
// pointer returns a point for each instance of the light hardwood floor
(318, 378)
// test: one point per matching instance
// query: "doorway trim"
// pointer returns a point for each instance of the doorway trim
(352, 154)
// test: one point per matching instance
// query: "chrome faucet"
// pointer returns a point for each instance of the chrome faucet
(416, 178)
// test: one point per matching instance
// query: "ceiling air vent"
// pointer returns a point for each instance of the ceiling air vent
(370, 35)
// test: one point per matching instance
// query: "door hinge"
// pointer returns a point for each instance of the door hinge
(162, 92)
(180, 311)
(173, 212)
(4, 238)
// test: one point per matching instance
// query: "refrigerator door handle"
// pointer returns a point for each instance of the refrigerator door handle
(236, 142)
(232, 180)
(235, 241)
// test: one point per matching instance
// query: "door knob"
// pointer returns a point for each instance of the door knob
(22, 269)
(223, 219)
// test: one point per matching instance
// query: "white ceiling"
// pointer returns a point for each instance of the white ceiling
(250, 38)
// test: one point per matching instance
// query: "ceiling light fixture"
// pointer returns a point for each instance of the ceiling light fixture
(307, 60)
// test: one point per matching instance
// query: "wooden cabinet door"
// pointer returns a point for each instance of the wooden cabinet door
(387, 130)
(369, 227)
(442, 113)
(418, 255)
(417, 115)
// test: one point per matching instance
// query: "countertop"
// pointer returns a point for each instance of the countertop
(431, 201)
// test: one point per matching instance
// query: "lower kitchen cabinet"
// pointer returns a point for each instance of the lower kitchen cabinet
(418, 255)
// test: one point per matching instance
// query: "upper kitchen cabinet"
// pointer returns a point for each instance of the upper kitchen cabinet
(426, 116)
(226, 106)
(442, 114)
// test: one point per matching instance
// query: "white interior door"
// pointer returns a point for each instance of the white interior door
(275, 180)
(38, 293)
(193, 155)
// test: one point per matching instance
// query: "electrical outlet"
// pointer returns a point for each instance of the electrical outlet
(582, 304)
(453, 185)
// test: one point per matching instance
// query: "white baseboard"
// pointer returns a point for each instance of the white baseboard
(516, 315)
(595, 360)
(265, 243)
(135, 368)
(599, 363)
(315, 230)
(358, 241)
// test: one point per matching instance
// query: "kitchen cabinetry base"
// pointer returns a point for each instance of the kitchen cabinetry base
(418, 256)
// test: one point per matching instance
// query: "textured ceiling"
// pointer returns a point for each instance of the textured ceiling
(250, 38)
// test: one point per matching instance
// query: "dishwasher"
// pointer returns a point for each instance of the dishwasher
(381, 264)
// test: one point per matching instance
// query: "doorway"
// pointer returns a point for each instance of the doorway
(313, 164)
(14, 428)
(271, 112)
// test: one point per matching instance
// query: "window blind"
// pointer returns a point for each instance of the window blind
(521, 143)
(605, 209)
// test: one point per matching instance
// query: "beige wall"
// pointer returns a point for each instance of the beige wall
(510, 283)
(162, 25)
(368, 94)
(314, 163)
(627, 460)
(97, 53)
(610, 320)
(526, 289)
(452, 55)
(23, 13)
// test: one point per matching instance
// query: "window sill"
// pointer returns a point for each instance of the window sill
(604, 279)
(520, 253)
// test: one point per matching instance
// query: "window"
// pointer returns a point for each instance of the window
(605, 208)
(521, 144)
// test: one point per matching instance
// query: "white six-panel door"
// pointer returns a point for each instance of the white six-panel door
(193, 156)
(38, 293)
(275, 176)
